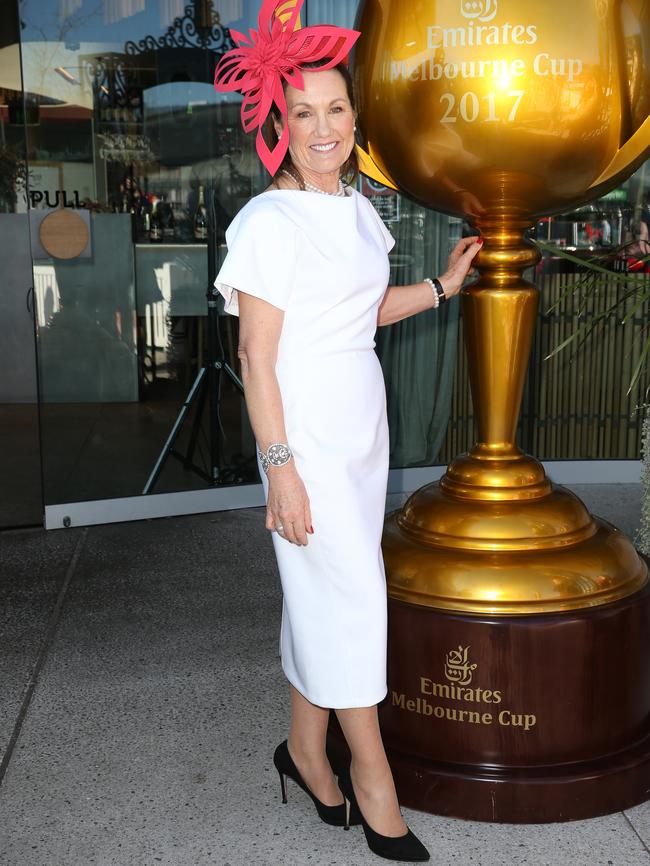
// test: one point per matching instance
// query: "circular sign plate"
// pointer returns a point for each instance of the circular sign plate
(64, 234)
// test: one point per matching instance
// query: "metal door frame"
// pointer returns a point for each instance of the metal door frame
(400, 482)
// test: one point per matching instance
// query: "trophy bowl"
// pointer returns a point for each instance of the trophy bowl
(519, 657)
(494, 107)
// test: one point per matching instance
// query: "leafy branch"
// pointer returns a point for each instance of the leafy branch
(595, 275)
(13, 175)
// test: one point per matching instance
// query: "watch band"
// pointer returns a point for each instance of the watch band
(277, 454)
(442, 297)
(439, 296)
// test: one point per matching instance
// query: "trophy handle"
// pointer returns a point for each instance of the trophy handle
(627, 159)
(284, 10)
(368, 167)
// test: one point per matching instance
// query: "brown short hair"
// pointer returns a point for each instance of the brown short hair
(350, 168)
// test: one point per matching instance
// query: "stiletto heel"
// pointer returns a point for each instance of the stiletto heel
(346, 826)
(283, 786)
(406, 848)
(337, 816)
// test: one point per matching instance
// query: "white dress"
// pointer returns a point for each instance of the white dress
(324, 261)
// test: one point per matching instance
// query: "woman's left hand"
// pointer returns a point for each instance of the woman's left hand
(460, 264)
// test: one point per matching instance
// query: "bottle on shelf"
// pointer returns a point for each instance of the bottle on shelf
(168, 222)
(201, 219)
(140, 215)
(155, 228)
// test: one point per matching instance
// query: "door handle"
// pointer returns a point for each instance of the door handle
(28, 300)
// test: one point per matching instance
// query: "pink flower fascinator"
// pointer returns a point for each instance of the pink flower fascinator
(274, 51)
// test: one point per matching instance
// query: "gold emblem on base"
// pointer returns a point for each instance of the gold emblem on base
(457, 667)
(488, 110)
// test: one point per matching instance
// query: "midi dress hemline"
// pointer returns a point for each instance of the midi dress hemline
(359, 703)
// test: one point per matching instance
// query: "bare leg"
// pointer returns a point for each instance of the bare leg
(306, 743)
(370, 771)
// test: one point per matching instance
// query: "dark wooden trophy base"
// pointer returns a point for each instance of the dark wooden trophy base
(522, 719)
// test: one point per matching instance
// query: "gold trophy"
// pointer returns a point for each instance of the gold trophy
(519, 624)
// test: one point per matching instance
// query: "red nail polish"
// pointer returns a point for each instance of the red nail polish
(311, 530)
(481, 241)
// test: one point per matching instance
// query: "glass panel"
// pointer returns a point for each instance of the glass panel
(20, 488)
(339, 12)
(418, 354)
(127, 139)
(130, 151)
(576, 404)
(579, 398)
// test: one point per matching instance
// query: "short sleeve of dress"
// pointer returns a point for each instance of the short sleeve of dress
(260, 261)
(387, 236)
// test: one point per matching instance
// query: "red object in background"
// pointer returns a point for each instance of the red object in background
(638, 266)
(593, 233)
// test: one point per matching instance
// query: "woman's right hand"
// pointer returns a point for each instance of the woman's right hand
(287, 506)
(460, 264)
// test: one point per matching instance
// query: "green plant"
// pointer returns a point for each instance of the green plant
(597, 274)
(13, 174)
(642, 539)
(630, 292)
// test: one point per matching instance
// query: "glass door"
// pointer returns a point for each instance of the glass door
(20, 473)
(135, 168)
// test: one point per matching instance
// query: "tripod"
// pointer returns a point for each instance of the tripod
(207, 385)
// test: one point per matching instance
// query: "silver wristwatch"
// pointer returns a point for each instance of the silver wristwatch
(277, 454)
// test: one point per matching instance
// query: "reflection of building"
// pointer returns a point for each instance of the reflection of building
(115, 111)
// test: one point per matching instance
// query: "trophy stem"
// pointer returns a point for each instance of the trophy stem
(499, 313)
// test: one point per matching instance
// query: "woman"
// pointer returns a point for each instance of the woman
(307, 272)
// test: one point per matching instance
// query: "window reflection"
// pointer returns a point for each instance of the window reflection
(125, 123)
(118, 117)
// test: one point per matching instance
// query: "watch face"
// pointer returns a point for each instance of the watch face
(278, 454)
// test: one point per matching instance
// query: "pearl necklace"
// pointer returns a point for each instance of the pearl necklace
(312, 188)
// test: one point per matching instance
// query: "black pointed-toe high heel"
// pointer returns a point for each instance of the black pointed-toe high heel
(337, 816)
(406, 848)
